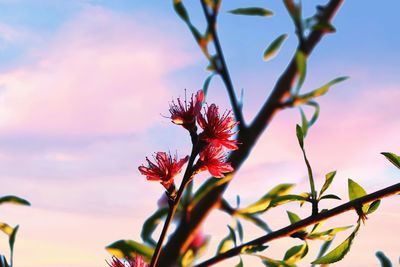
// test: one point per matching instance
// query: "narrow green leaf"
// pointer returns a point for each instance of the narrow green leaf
(275, 263)
(328, 180)
(321, 90)
(6, 228)
(274, 47)
(330, 233)
(237, 201)
(300, 136)
(232, 235)
(315, 116)
(340, 251)
(286, 199)
(181, 10)
(253, 249)
(301, 62)
(239, 230)
(225, 245)
(330, 196)
(14, 200)
(304, 122)
(129, 249)
(252, 11)
(373, 206)
(296, 253)
(240, 264)
(11, 242)
(384, 261)
(293, 217)
(257, 221)
(355, 190)
(263, 203)
(151, 224)
(393, 158)
(325, 246)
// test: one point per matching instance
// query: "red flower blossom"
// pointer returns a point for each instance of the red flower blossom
(213, 159)
(164, 170)
(137, 262)
(185, 113)
(216, 128)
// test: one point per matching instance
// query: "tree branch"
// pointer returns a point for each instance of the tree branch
(182, 237)
(288, 230)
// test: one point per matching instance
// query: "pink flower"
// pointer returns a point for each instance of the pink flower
(165, 168)
(217, 129)
(185, 114)
(137, 262)
(213, 159)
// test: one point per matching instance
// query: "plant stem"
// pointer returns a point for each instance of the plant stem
(187, 178)
(288, 230)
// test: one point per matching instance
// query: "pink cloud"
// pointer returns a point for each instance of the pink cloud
(102, 73)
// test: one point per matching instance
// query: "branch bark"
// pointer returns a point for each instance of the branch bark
(182, 237)
(288, 230)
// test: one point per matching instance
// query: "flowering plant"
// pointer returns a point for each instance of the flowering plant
(223, 144)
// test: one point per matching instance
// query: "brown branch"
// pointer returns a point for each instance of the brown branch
(182, 237)
(288, 230)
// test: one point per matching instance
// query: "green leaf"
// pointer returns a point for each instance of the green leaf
(274, 47)
(304, 122)
(321, 90)
(275, 263)
(325, 246)
(330, 233)
(285, 199)
(240, 264)
(6, 228)
(384, 261)
(355, 190)
(181, 10)
(300, 136)
(206, 84)
(14, 200)
(225, 245)
(314, 118)
(393, 158)
(239, 230)
(151, 224)
(257, 221)
(129, 249)
(328, 180)
(251, 249)
(301, 62)
(252, 11)
(296, 253)
(340, 251)
(373, 206)
(293, 217)
(330, 196)
(263, 203)
(11, 242)
(232, 235)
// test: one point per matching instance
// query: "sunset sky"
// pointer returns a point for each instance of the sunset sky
(84, 85)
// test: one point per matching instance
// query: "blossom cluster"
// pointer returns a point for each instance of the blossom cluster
(137, 262)
(211, 143)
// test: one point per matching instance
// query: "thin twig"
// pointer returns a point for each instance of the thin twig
(174, 205)
(221, 67)
(288, 230)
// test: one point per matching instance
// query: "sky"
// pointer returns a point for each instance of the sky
(84, 86)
